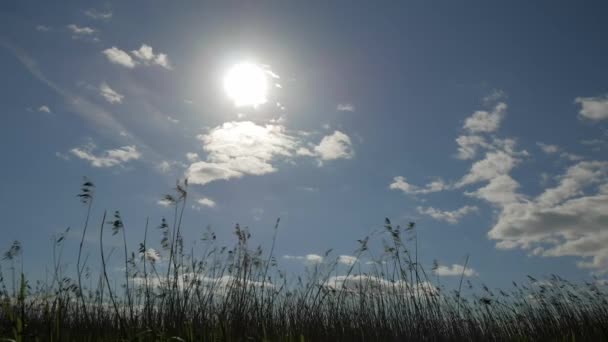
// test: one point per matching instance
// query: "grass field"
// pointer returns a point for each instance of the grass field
(238, 293)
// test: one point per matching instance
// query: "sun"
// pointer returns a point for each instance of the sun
(246, 84)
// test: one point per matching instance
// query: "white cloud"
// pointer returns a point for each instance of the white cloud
(334, 146)
(553, 149)
(241, 148)
(192, 157)
(451, 217)
(81, 31)
(483, 121)
(146, 55)
(366, 284)
(44, 108)
(172, 120)
(110, 94)
(118, 56)
(164, 166)
(346, 107)
(565, 220)
(307, 259)
(547, 148)
(495, 164)
(593, 108)
(495, 96)
(164, 203)
(206, 202)
(501, 190)
(43, 28)
(455, 270)
(95, 14)
(151, 255)
(203, 172)
(109, 158)
(348, 260)
(62, 156)
(468, 145)
(400, 183)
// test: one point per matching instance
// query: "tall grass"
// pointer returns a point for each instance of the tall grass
(238, 293)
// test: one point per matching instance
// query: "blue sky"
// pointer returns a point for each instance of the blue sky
(484, 122)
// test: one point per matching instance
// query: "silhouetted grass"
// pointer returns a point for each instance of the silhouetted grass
(238, 293)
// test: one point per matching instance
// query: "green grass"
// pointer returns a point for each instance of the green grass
(238, 293)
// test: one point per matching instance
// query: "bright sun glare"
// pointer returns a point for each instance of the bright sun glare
(246, 85)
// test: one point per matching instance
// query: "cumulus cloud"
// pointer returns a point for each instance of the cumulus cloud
(310, 259)
(567, 219)
(348, 260)
(192, 157)
(495, 163)
(334, 146)
(400, 183)
(146, 56)
(242, 148)
(206, 202)
(483, 121)
(44, 109)
(500, 190)
(451, 217)
(455, 270)
(345, 107)
(108, 158)
(593, 108)
(99, 15)
(110, 94)
(118, 56)
(468, 145)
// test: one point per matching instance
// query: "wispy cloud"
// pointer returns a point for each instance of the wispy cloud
(43, 28)
(206, 202)
(102, 120)
(451, 217)
(455, 271)
(348, 260)
(108, 158)
(307, 259)
(110, 94)
(99, 15)
(400, 183)
(346, 107)
(81, 31)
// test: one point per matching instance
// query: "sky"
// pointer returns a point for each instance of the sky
(484, 122)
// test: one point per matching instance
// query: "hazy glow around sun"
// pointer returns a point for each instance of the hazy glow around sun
(246, 84)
